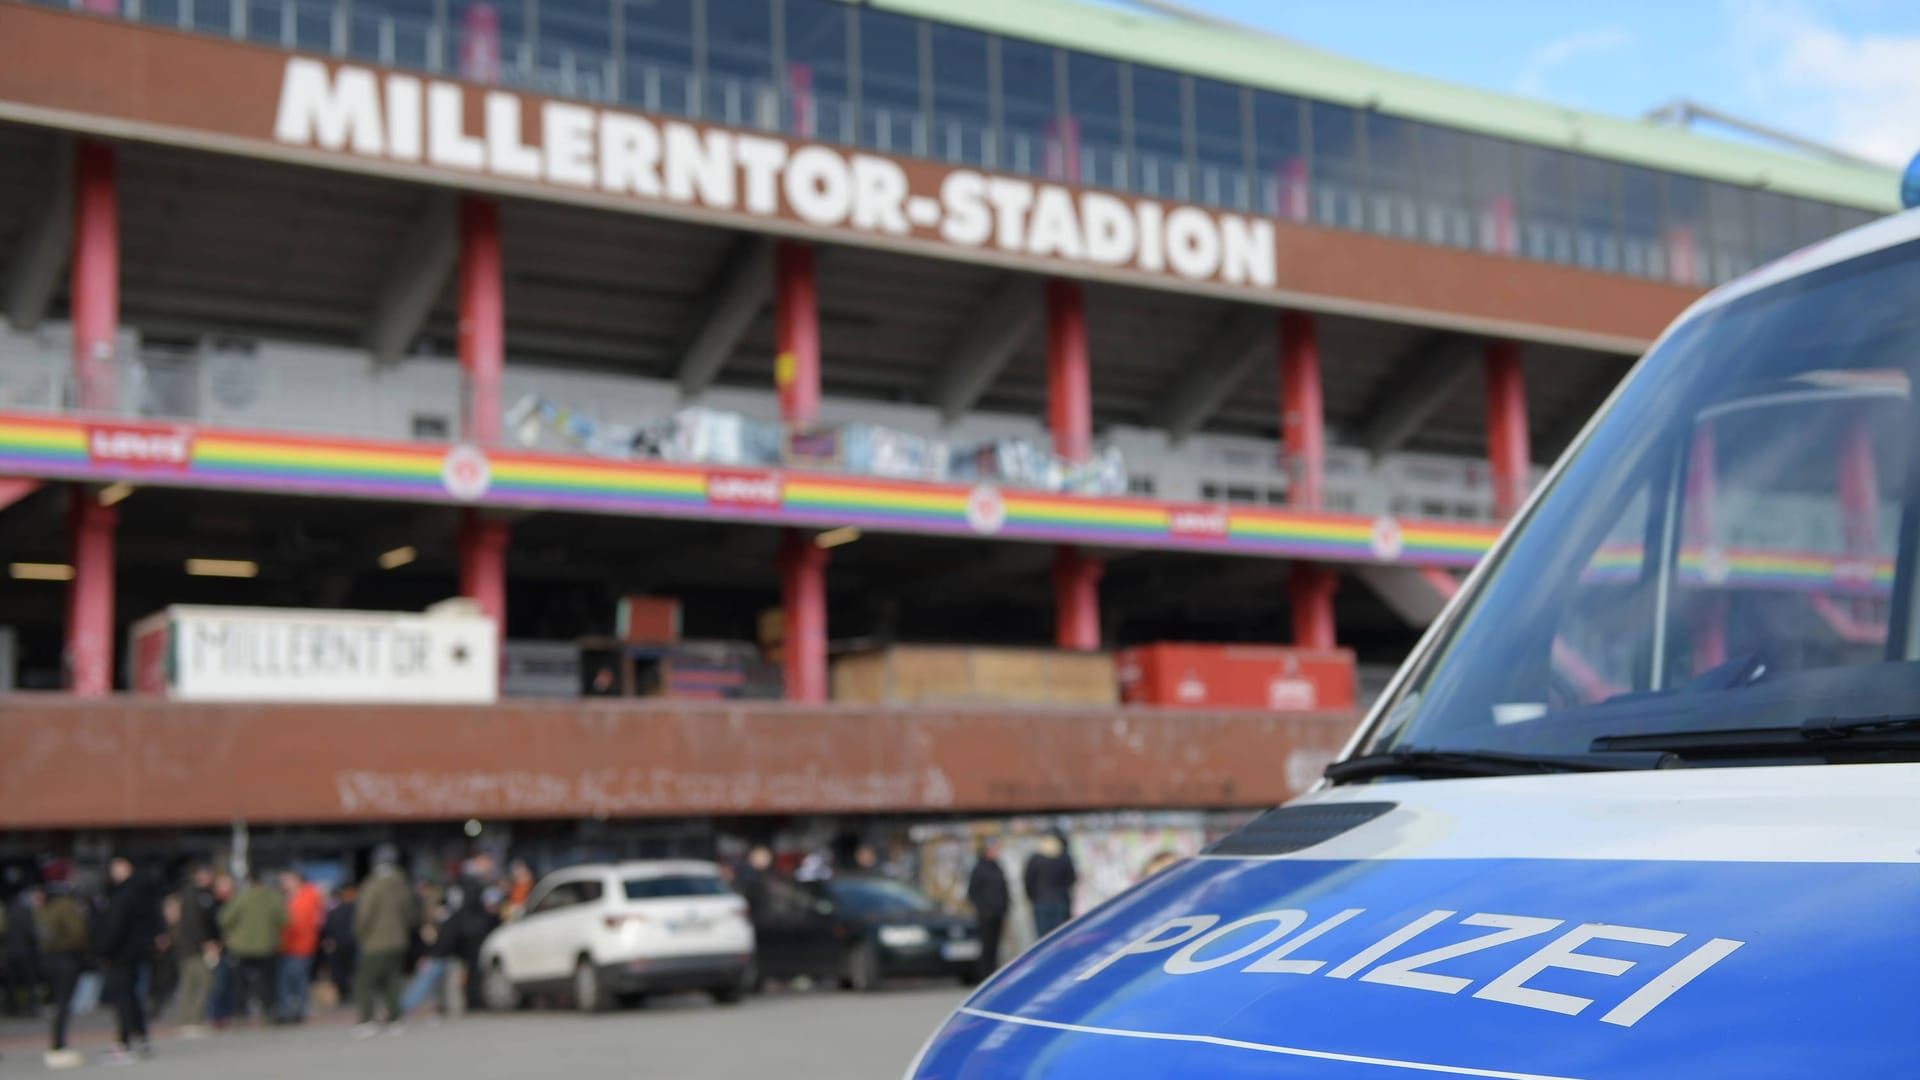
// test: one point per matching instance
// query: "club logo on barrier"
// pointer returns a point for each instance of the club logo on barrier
(1201, 524)
(986, 510)
(465, 473)
(139, 447)
(745, 489)
(1387, 541)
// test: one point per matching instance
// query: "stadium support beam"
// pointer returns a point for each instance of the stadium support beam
(1303, 425)
(803, 563)
(1509, 449)
(483, 327)
(426, 256)
(1422, 385)
(1076, 574)
(1415, 593)
(94, 288)
(994, 332)
(1227, 355)
(89, 652)
(736, 294)
(42, 251)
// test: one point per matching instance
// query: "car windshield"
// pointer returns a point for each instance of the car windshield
(668, 886)
(1731, 547)
(876, 896)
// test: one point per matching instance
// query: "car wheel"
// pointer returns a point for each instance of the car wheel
(588, 995)
(863, 970)
(498, 990)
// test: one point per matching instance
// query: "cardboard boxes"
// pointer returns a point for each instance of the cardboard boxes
(956, 675)
(1270, 677)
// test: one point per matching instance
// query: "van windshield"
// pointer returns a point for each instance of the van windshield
(1732, 547)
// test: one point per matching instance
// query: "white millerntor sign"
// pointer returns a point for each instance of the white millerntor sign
(402, 118)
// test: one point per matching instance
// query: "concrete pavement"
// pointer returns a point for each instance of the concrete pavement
(818, 1035)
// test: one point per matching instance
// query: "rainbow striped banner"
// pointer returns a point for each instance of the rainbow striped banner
(59, 447)
(1753, 568)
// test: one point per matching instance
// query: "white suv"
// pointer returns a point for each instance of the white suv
(613, 933)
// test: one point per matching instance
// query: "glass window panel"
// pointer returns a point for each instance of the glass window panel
(1029, 106)
(1545, 214)
(1689, 257)
(1279, 156)
(659, 51)
(1729, 231)
(1773, 234)
(1335, 131)
(1447, 204)
(1094, 105)
(962, 113)
(1159, 134)
(1391, 175)
(816, 82)
(890, 81)
(1642, 242)
(1220, 144)
(1494, 172)
(739, 84)
(1596, 195)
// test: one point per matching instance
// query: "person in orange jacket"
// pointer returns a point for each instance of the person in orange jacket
(299, 940)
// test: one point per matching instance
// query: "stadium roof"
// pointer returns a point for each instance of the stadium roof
(1277, 64)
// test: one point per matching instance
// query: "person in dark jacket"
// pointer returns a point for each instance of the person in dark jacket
(1049, 879)
(194, 936)
(21, 959)
(131, 926)
(64, 924)
(338, 947)
(987, 892)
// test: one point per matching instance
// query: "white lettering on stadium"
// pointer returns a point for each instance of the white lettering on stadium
(355, 110)
(1265, 943)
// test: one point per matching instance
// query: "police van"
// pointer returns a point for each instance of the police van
(1645, 802)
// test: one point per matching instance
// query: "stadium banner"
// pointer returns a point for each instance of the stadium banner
(196, 653)
(116, 79)
(47, 446)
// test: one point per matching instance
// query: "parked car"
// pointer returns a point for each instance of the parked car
(610, 934)
(862, 931)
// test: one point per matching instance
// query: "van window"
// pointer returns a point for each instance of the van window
(669, 886)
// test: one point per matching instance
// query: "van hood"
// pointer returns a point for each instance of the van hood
(1752, 922)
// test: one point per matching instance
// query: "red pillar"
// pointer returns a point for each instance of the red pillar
(1508, 456)
(803, 564)
(482, 319)
(796, 312)
(483, 542)
(1303, 431)
(1076, 575)
(90, 596)
(1303, 443)
(95, 286)
(95, 304)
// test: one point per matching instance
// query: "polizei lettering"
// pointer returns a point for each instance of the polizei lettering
(401, 118)
(1283, 942)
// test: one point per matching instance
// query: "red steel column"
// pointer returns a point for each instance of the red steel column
(95, 306)
(803, 564)
(90, 596)
(95, 286)
(1508, 456)
(1303, 441)
(1076, 575)
(483, 542)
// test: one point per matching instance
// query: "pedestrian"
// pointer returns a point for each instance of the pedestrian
(518, 889)
(63, 930)
(441, 935)
(195, 940)
(220, 992)
(131, 925)
(337, 944)
(1049, 878)
(251, 925)
(478, 916)
(383, 924)
(21, 954)
(987, 892)
(753, 883)
(299, 940)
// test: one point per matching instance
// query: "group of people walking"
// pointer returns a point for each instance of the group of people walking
(1048, 879)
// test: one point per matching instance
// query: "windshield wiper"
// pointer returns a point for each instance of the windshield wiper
(1439, 764)
(1807, 736)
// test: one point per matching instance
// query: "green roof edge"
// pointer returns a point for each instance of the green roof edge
(1273, 63)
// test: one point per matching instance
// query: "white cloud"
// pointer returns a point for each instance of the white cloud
(1561, 51)
(1858, 91)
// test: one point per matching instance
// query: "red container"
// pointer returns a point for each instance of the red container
(1272, 677)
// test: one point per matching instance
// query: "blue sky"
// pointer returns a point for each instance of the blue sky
(1846, 72)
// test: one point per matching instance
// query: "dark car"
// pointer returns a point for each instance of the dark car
(862, 931)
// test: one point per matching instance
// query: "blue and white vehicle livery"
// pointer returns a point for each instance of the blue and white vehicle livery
(1645, 802)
